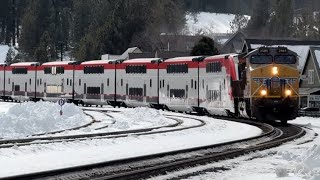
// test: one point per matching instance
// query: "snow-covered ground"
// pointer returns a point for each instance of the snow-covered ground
(32, 158)
(295, 160)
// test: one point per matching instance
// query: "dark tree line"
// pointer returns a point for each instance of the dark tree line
(88, 28)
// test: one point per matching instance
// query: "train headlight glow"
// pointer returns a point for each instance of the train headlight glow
(263, 92)
(288, 92)
(275, 70)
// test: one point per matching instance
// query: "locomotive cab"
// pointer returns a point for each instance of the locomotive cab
(272, 84)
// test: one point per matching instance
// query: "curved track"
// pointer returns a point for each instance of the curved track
(103, 135)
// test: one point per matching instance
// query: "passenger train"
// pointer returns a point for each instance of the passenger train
(262, 84)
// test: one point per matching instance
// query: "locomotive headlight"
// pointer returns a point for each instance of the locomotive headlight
(288, 92)
(263, 92)
(275, 70)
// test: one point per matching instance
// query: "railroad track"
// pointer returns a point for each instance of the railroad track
(161, 163)
(7, 143)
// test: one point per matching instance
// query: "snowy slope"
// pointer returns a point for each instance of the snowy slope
(209, 23)
(3, 52)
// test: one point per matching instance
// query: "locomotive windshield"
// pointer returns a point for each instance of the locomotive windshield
(261, 59)
(285, 59)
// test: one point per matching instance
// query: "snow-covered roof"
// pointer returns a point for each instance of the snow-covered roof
(95, 62)
(125, 55)
(140, 60)
(55, 63)
(177, 59)
(25, 64)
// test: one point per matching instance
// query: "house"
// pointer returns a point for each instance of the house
(125, 55)
(310, 81)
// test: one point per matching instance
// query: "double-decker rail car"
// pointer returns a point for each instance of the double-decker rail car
(179, 83)
(94, 82)
(272, 88)
(56, 80)
(22, 81)
(138, 82)
(216, 76)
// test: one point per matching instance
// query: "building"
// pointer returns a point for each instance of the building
(310, 81)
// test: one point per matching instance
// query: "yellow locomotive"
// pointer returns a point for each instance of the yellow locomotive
(271, 84)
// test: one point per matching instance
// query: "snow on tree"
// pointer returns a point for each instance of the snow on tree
(11, 54)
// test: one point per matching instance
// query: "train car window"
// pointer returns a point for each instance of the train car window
(261, 59)
(84, 88)
(79, 82)
(30, 81)
(177, 93)
(67, 81)
(177, 68)
(285, 59)
(127, 89)
(47, 70)
(93, 70)
(108, 82)
(40, 81)
(150, 82)
(191, 83)
(202, 83)
(26, 85)
(12, 88)
(70, 82)
(121, 82)
(136, 69)
(93, 90)
(102, 88)
(59, 70)
(44, 87)
(135, 91)
(213, 67)
(8, 80)
(17, 88)
(144, 90)
(195, 84)
(19, 71)
(187, 91)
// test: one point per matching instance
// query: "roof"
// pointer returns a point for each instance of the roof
(315, 51)
(55, 63)
(125, 55)
(96, 62)
(25, 64)
(307, 91)
(177, 59)
(140, 60)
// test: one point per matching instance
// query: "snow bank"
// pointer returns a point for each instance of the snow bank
(133, 118)
(32, 118)
(307, 164)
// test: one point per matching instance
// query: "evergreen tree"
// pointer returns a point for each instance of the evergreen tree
(238, 23)
(10, 55)
(281, 22)
(204, 47)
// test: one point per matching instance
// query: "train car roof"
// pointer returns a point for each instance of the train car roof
(178, 59)
(221, 56)
(140, 60)
(25, 64)
(97, 62)
(55, 63)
